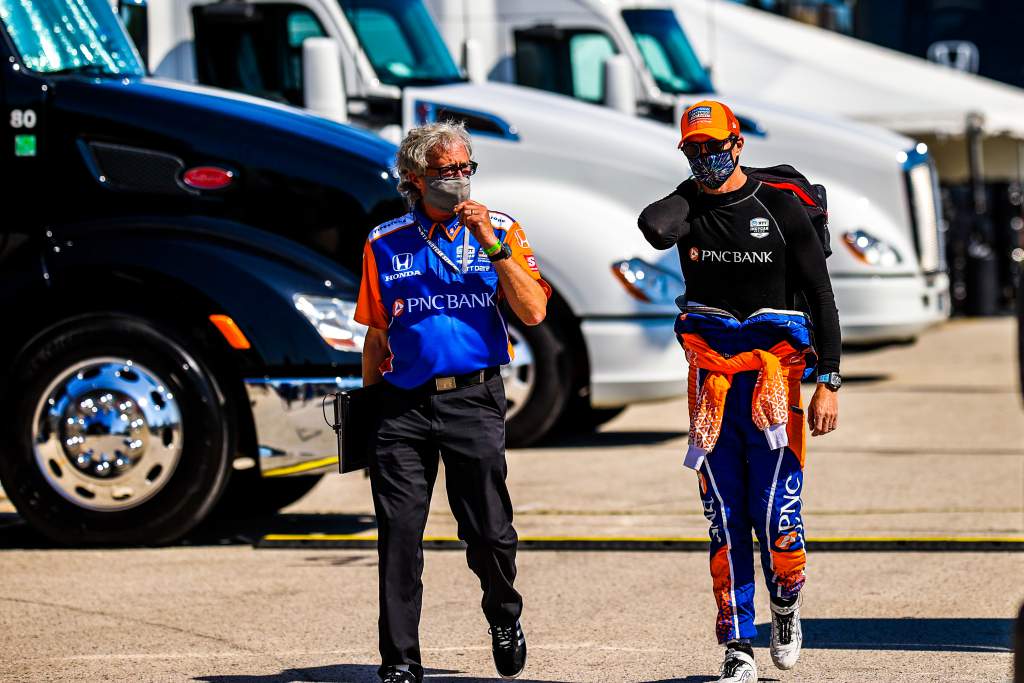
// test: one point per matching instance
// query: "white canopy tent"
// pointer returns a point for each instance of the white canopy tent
(780, 60)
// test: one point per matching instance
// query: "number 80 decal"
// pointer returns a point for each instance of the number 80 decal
(23, 118)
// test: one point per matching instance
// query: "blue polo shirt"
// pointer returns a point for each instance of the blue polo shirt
(439, 320)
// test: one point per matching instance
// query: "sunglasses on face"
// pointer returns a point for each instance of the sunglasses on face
(454, 170)
(694, 149)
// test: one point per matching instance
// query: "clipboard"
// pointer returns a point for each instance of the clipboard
(355, 423)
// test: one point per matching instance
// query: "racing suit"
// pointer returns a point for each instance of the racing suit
(747, 256)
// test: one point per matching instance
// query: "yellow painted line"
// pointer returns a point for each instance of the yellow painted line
(301, 467)
(918, 539)
(657, 539)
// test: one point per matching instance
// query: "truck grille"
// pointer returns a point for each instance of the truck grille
(926, 214)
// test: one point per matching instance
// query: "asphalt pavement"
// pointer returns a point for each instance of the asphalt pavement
(930, 446)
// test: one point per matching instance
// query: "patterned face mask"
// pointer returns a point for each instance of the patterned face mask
(712, 170)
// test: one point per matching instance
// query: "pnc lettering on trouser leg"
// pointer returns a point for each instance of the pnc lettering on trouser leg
(746, 485)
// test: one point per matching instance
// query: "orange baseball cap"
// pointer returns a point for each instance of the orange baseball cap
(710, 118)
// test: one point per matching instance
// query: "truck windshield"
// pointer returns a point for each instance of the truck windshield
(66, 36)
(401, 41)
(667, 52)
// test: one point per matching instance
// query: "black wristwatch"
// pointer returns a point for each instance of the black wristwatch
(832, 380)
(502, 254)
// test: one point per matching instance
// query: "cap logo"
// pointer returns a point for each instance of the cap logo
(698, 114)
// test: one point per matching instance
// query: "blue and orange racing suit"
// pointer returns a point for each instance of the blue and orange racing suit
(747, 445)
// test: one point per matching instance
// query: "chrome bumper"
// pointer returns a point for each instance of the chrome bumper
(291, 432)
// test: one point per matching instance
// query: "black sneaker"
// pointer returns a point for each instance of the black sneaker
(508, 645)
(393, 674)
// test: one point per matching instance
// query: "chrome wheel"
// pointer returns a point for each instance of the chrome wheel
(520, 375)
(107, 434)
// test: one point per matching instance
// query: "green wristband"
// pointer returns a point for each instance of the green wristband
(493, 249)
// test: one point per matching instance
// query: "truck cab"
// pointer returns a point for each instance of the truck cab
(574, 175)
(171, 271)
(887, 266)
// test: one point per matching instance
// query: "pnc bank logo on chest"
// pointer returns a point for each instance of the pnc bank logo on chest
(401, 264)
(759, 227)
(715, 256)
(443, 302)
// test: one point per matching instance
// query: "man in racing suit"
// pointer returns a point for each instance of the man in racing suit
(748, 251)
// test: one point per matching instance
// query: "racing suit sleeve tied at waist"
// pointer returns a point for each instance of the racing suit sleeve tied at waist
(775, 368)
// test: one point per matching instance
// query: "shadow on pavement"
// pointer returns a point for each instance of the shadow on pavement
(249, 530)
(608, 439)
(345, 673)
(911, 634)
(16, 535)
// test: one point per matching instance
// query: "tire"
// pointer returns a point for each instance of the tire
(250, 495)
(69, 464)
(537, 382)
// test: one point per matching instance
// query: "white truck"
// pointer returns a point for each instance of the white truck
(574, 175)
(888, 268)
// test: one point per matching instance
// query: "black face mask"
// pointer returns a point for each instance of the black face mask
(712, 170)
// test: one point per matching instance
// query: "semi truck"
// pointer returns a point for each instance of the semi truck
(888, 266)
(971, 124)
(173, 313)
(575, 176)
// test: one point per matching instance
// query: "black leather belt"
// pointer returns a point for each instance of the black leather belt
(439, 385)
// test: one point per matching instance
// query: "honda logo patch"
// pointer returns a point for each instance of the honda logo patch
(401, 262)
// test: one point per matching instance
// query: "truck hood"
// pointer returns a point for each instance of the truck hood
(601, 144)
(166, 107)
(780, 60)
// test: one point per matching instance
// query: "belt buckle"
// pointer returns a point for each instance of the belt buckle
(444, 383)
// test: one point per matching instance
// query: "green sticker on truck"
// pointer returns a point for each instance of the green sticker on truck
(24, 145)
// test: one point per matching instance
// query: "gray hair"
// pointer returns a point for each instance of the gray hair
(418, 145)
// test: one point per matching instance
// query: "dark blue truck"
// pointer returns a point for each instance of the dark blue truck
(177, 280)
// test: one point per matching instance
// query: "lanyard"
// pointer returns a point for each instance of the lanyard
(443, 256)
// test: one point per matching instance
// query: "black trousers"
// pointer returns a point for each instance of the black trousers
(466, 428)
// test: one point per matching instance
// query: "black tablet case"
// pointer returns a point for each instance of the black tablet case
(355, 421)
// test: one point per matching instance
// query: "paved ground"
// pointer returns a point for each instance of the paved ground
(931, 443)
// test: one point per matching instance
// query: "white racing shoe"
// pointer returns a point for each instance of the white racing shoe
(738, 667)
(787, 636)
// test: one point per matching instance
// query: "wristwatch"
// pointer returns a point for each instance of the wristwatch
(831, 380)
(502, 254)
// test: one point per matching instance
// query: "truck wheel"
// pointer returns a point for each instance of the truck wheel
(250, 495)
(118, 435)
(536, 382)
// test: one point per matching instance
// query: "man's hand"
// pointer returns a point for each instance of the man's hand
(475, 216)
(823, 411)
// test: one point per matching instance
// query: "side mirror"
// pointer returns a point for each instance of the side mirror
(619, 86)
(473, 61)
(323, 91)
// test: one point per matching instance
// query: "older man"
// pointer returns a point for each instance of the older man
(431, 286)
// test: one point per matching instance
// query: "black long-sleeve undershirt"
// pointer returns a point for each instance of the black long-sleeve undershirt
(748, 249)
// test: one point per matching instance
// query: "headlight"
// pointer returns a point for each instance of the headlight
(333, 320)
(871, 250)
(648, 283)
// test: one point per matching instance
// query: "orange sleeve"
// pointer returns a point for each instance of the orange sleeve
(523, 254)
(370, 309)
